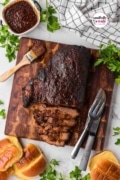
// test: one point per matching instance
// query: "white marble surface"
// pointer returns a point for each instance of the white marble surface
(61, 154)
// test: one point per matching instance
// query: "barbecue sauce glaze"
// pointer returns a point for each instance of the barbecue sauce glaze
(20, 17)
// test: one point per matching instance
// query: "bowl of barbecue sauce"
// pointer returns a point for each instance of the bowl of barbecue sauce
(21, 16)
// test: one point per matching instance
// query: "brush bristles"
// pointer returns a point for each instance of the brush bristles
(31, 56)
(35, 52)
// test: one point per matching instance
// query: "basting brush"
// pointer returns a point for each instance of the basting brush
(28, 58)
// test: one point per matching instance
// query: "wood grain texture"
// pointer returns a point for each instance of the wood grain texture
(20, 121)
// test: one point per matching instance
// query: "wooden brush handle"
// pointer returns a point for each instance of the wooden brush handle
(8, 73)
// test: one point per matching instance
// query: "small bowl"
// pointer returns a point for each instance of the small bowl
(21, 16)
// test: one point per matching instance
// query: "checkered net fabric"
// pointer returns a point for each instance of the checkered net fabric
(76, 15)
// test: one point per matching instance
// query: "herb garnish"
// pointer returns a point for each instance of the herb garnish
(8, 41)
(110, 56)
(2, 111)
(77, 174)
(52, 174)
(117, 133)
(5, 2)
(48, 16)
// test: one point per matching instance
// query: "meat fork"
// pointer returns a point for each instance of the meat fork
(94, 113)
(92, 133)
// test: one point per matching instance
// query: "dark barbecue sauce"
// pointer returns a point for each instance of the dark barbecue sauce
(20, 17)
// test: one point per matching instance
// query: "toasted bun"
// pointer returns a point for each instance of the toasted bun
(104, 166)
(10, 152)
(105, 170)
(102, 155)
(5, 174)
(31, 164)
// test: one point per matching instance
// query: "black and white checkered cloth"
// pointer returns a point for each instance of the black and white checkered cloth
(75, 15)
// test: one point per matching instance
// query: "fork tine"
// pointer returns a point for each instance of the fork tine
(96, 101)
(98, 109)
(98, 105)
(92, 106)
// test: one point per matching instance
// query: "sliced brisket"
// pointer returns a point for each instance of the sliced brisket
(55, 125)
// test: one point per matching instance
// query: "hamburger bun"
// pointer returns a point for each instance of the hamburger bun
(32, 163)
(104, 166)
(102, 155)
(5, 174)
(10, 152)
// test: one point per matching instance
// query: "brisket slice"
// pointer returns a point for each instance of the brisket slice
(55, 125)
(63, 81)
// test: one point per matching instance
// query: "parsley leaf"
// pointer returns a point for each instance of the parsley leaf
(110, 56)
(76, 173)
(2, 111)
(86, 177)
(117, 141)
(8, 41)
(5, 2)
(48, 16)
(116, 132)
(52, 174)
(1, 102)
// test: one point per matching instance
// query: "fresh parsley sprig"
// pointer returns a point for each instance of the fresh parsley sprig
(5, 2)
(110, 56)
(77, 174)
(48, 16)
(51, 173)
(2, 111)
(8, 41)
(116, 132)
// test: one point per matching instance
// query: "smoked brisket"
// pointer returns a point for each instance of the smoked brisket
(63, 81)
(55, 125)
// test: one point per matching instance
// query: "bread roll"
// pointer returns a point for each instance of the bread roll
(97, 157)
(5, 174)
(31, 164)
(104, 166)
(105, 170)
(10, 152)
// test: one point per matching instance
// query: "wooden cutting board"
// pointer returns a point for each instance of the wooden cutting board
(19, 119)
